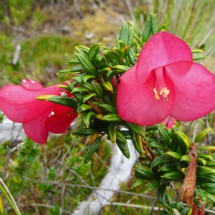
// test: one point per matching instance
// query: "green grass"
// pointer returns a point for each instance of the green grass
(40, 58)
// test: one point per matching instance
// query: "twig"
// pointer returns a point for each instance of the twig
(84, 182)
(48, 206)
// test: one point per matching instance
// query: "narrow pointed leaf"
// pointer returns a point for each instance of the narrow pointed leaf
(111, 118)
(112, 132)
(147, 29)
(86, 118)
(79, 89)
(137, 141)
(73, 69)
(85, 107)
(94, 50)
(175, 155)
(122, 144)
(108, 107)
(88, 96)
(126, 34)
(144, 173)
(92, 149)
(121, 68)
(107, 86)
(87, 65)
(201, 135)
(154, 23)
(88, 77)
(136, 128)
(183, 137)
(158, 161)
(153, 185)
(84, 131)
(173, 176)
(69, 102)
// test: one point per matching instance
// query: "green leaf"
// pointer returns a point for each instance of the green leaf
(88, 96)
(185, 158)
(132, 57)
(108, 86)
(94, 50)
(108, 107)
(201, 135)
(210, 163)
(126, 34)
(158, 161)
(206, 157)
(73, 69)
(88, 77)
(85, 107)
(147, 29)
(79, 89)
(173, 176)
(184, 138)
(208, 187)
(144, 173)
(92, 149)
(137, 141)
(167, 168)
(97, 89)
(111, 56)
(202, 170)
(209, 148)
(122, 68)
(69, 102)
(122, 144)
(161, 192)
(111, 130)
(163, 131)
(111, 118)
(201, 161)
(87, 65)
(198, 56)
(73, 61)
(86, 118)
(175, 155)
(136, 128)
(206, 179)
(4, 190)
(209, 196)
(88, 86)
(153, 185)
(138, 182)
(157, 145)
(154, 23)
(84, 131)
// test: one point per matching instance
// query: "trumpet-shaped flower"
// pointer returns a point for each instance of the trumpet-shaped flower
(165, 82)
(39, 117)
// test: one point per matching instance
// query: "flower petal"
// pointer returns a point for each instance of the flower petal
(36, 129)
(20, 105)
(162, 49)
(136, 102)
(31, 85)
(61, 119)
(194, 89)
(169, 122)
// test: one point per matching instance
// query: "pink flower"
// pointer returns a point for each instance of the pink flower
(39, 117)
(165, 82)
(169, 122)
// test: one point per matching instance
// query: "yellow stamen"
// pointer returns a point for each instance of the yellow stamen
(157, 97)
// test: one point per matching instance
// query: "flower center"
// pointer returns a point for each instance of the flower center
(160, 89)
